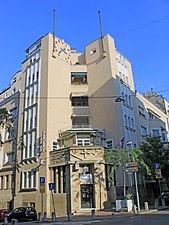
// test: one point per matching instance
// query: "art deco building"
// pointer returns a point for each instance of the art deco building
(70, 106)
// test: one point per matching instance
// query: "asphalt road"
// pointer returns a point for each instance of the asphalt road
(158, 218)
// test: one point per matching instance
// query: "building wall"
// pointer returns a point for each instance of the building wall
(142, 109)
(44, 108)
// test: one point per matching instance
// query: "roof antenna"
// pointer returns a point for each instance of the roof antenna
(101, 36)
(54, 28)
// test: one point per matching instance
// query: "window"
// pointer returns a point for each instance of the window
(80, 101)
(25, 179)
(37, 75)
(29, 179)
(10, 156)
(7, 181)
(163, 136)
(83, 142)
(13, 112)
(14, 90)
(130, 100)
(2, 182)
(80, 121)
(34, 178)
(125, 120)
(152, 116)
(59, 179)
(143, 130)
(29, 80)
(126, 99)
(132, 123)
(129, 124)
(33, 77)
(109, 143)
(55, 145)
(141, 111)
(78, 77)
(93, 51)
(155, 133)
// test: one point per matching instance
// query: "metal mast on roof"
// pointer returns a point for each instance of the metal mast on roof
(54, 28)
(101, 34)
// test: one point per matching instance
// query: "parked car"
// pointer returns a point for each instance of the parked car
(165, 196)
(3, 213)
(23, 213)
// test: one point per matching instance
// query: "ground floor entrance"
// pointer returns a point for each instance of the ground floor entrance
(87, 196)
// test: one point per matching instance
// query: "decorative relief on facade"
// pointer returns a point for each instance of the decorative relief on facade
(87, 153)
(58, 157)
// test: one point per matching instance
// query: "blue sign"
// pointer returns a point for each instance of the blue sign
(42, 180)
(51, 186)
(157, 166)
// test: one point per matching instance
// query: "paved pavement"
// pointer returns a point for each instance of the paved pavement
(86, 218)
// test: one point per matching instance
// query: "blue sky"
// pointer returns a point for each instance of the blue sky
(147, 47)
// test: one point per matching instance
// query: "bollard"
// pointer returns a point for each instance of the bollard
(93, 214)
(53, 216)
(5, 222)
(134, 209)
(146, 206)
(156, 203)
(39, 217)
(68, 216)
(163, 202)
(45, 215)
(14, 222)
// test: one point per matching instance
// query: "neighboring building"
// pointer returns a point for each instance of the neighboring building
(160, 102)
(150, 120)
(10, 99)
(70, 106)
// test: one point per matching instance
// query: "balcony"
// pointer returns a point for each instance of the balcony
(80, 111)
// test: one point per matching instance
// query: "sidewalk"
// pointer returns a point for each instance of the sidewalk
(102, 214)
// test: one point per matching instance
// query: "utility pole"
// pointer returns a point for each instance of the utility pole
(135, 176)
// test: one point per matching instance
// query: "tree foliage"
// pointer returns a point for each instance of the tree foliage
(5, 118)
(118, 157)
(156, 151)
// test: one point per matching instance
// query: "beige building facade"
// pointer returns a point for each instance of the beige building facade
(70, 107)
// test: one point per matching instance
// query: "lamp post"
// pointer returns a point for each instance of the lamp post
(135, 176)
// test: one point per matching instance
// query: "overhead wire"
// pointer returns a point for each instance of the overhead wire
(59, 97)
(141, 27)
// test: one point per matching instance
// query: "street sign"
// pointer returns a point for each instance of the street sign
(131, 167)
(42, 184)
(131, 164)
(157, 166)
(51, 186)
(158, 174)
(42, 180)
(157, 171)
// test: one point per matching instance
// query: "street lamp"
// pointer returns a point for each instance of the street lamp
(135, 176)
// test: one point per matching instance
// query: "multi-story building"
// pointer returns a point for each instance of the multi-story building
(150, 119)
(70, 106)
(10, 99)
